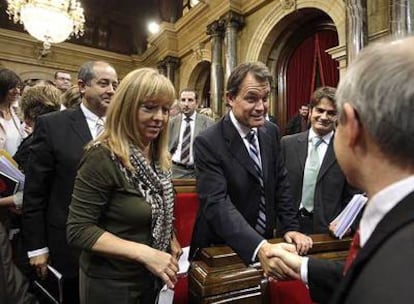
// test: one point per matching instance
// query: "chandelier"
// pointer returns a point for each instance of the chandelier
(50, 21)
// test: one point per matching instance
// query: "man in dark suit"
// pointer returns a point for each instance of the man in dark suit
(181, 142)
(242, 197)
(329, 190)
(374, 147)
(58, 142)
(299, 122)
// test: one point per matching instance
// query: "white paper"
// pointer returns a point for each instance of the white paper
(345, 219)
(183, 263)
(166, 296)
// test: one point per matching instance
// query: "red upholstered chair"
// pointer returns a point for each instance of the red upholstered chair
(185, 212)
(289, 292)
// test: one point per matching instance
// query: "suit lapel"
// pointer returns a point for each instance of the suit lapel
(198, 124)
(175, 132)
(328, 160)
(236, 146)
(302, 149)
(399, 216)
(79, 125)
(265, 151)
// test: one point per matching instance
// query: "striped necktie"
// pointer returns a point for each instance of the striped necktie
(254, 155)
(99, 126)
(310, 175)
(185, 144)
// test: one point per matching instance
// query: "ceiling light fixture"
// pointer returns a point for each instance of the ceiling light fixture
(50, 21)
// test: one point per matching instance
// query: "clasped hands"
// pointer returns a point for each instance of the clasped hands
(283, 261)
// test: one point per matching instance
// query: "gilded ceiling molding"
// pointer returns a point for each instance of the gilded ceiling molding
(288, 4)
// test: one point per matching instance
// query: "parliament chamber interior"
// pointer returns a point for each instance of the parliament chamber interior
(305, 45)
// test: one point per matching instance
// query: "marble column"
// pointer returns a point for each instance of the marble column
(357, 32)
(402, 15)
(215, 30)
(162, 68)
(233, 22)
(171, 64)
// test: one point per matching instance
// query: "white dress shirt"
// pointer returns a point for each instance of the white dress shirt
(91, 120)
(177, 153)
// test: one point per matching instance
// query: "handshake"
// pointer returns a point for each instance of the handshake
(283, 261)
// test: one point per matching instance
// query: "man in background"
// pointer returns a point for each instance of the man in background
(299, 122)
(63, 81)
(320, 190)
(184, 128)
(58, 142)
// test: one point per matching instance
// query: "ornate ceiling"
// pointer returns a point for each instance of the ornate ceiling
(115, 25)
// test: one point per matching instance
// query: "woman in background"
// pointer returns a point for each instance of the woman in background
(122, 206)
(35, 101)
(11, 129)
(71, 98)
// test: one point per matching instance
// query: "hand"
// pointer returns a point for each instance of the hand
(161, 264)
(303, 242)
(28, 129)
(176, 250)
(289, 258)
(39, 262)
(272, 265)
(332, 227)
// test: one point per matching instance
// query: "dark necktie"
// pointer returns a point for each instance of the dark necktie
(185, 144)
(353, 251)
(254, 154)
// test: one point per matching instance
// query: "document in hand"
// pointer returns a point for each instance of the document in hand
(345, 219)
(50, 288)
(8, 185)
(10, 175)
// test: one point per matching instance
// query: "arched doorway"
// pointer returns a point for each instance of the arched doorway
(200, 81)
(299, 61)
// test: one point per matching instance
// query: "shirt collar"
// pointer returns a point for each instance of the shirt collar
(381, 203)
(326, 138)
(89, 115)
(193, 116)
(241, 129)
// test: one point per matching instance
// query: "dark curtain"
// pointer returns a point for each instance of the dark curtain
(299, 76)
(328, 67)
(310, 67)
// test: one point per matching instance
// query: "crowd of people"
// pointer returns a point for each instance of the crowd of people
(99, 158)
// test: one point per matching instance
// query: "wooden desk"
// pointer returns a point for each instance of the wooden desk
(219, 276)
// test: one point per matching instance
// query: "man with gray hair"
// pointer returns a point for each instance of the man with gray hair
(58, 142)
(374, 145)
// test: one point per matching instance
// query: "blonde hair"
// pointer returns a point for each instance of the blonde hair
(72, 97)
(122, 119)
(38, 100)
(209, 113)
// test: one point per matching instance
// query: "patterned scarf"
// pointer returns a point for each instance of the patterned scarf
(157, 189)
